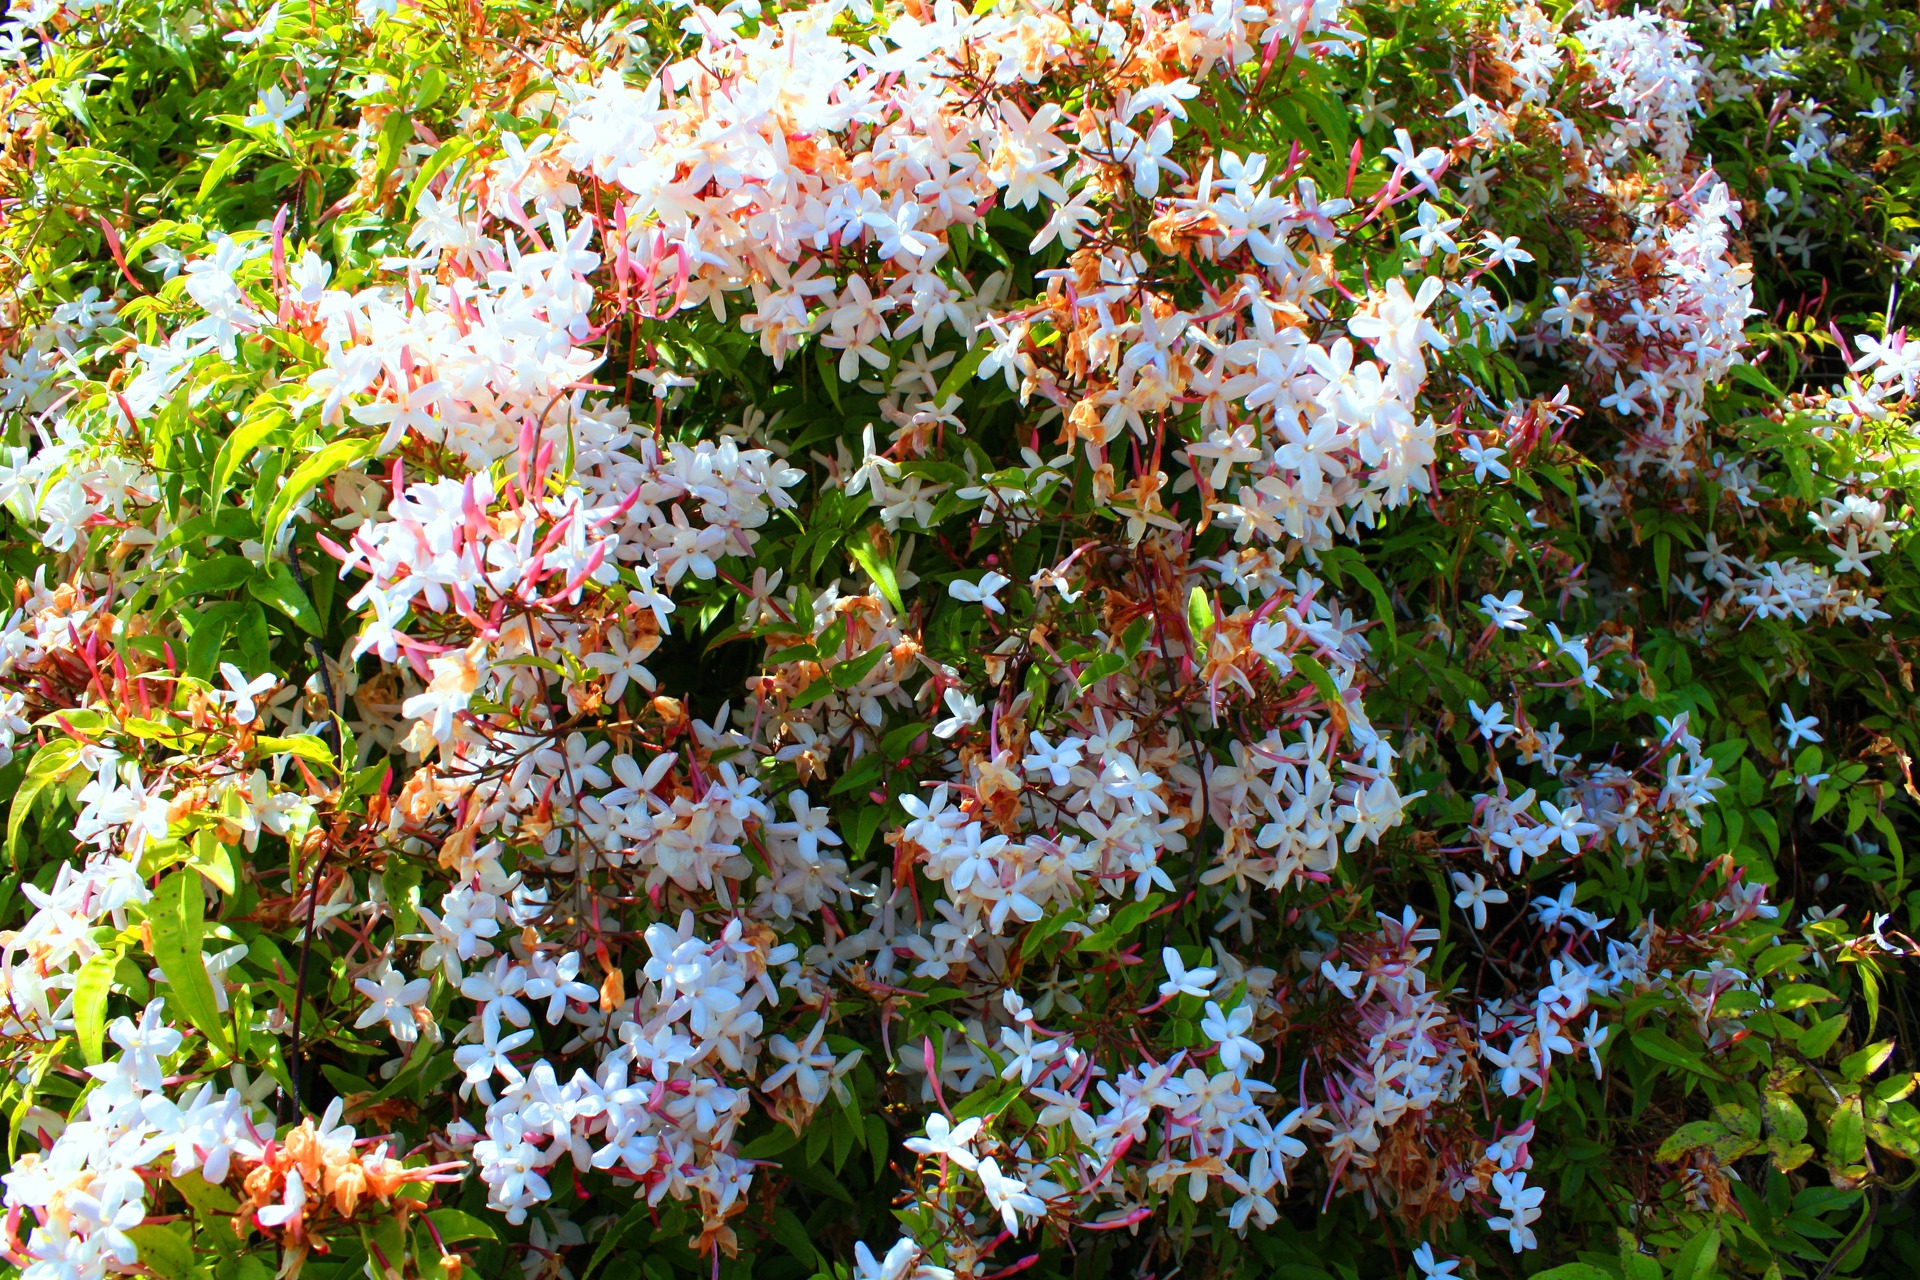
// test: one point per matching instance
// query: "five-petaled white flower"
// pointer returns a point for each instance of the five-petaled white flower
(292, 1205)
(963, 711)
(981, 592)
(275, 108)
(1801, 730)
(1484, 458)
(1182, 980)
(1503, 252)
(1432, 1268)
(241, 692)
(1505, 612)
(1229, 1031)
(948, 1141)
(1474, 896)
(394, 1001)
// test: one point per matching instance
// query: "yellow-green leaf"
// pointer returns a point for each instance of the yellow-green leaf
(176, 921)
(878, 568)
(1199, 615)
(274, 584)
(165, 1249)
(212, 860)
(90, 989)
(1697, 1133)
(1819, 1037)
(305, 745)
(1846, 1134)
(331, 459)
(1798, 995)
(50, 764)
(260, 424)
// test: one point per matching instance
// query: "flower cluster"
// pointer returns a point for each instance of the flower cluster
(1040, 591)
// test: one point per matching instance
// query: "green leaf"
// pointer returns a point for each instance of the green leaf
(50, 764)
(91, 987)
(1846, 1134)
(1738, 1119)
(175, 918)
(877, 1140)
(275, 585)
(1329, 115)
(811, 694)
(792, 1235)
(454, 1225)
(212, 860)
(1635, 1265)
(1309, 666)
(640, 1212)
(771, 1143)
(864, 773)
(1382, 602)
(847, 674)
(305, 745)
(204, 1195)
(401, 883)
(878, 568)
(432, 83)
(1819, 1037)
(253, 432)
(1696, 1258)
(1199, 615)
(1784, 1118)
(1101, 667)
(1856, 1067)
(165, 1249)
(210, 626)
(829, 375)
(1788, 1156)
(1571, 1271)
(1663, 1048)
(1900, 1131)
(82, 720)
(957, 376)
(230, 155)
(1800, 995)
(330, 460)
(861, 826)
(394, 132)
(449, 151)
(1697, 1133)
(900, 740)
(1122, 923)
(205, 578)
(154, 730)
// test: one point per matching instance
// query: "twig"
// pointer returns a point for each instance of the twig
(319, 654)
(294, 1063)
